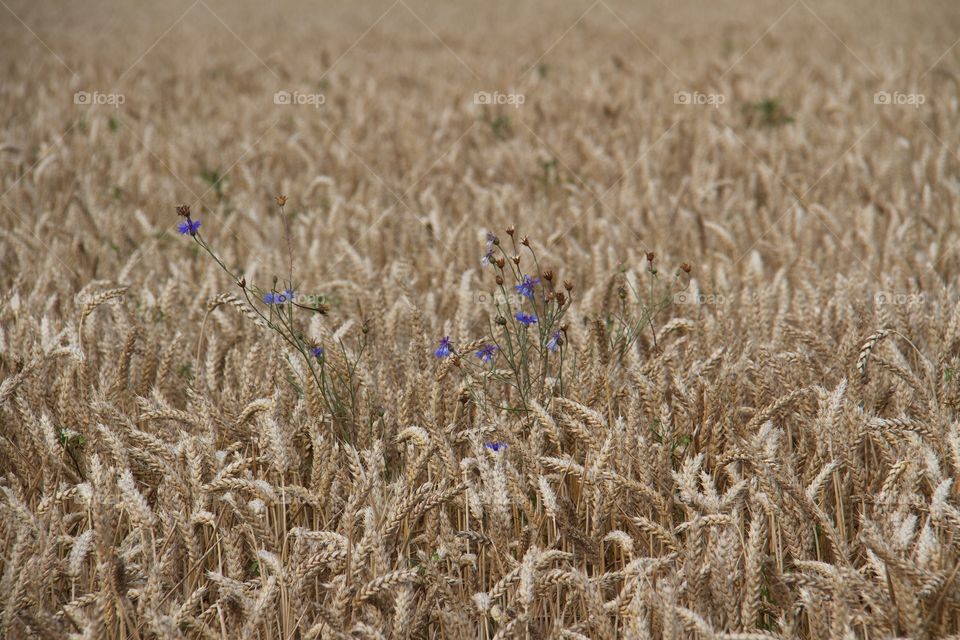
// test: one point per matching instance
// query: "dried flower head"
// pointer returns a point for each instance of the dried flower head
(685, 267)
(511, 231)
(281, 200)
(548, 275)
(568, 285)
(525, 241)
(650, 256)
(183, 210)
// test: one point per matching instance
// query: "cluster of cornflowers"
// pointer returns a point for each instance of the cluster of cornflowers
(526, 331)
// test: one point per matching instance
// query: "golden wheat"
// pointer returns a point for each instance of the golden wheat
(773, 455)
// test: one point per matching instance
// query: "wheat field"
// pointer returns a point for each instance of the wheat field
(609, 320)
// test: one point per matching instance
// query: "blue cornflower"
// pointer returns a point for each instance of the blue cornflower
(279, 298)
(189, 226)
(555, 341)
(496, 446)
(526, 319)
(525, 288)
(444, 349)
(317, 352)
(487, 257)
(486, 352)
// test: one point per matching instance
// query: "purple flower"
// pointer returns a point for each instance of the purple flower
(488, 255)
(444, 349)
(486, 352)
(525, 288)
(555, 341)
(317, 352)
(189, 226)
(526, 319)
(279, 298)
(496, 446)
